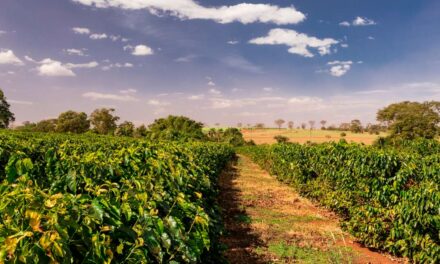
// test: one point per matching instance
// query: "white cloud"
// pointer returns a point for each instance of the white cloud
(117, 65)
(241, 63)
(81, 30)
(305, 100)
(196, 97)
(8, 57)
(189, 9)
(98, 36)
(128, 91)
(92, 64)
(233, 42)
(53, 68)
(339, 68)
(344, 45)
(183, 59)
(299, 43)
(215, 91)
(2, 32)
(371, 38)
(157, 103)
(78, 52)
(268, 89)
(211, 83)
(141, 50)
(345, 24)
(363, 21)
(107, 96)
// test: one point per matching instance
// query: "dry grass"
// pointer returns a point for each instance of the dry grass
(266, 136)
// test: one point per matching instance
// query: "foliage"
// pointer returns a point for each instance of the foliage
(73, 122)
(48, 125)
(6, 116)
(104, 121)
(279, 123)
(356, 126)
(409, 120)
(231, 136)
(178, 128)
(388, 198)
(281, 139)
(140, 131)
(125, 129)
(93, 199)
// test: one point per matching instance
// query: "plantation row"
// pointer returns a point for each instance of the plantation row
(91, 199)
(388, 198)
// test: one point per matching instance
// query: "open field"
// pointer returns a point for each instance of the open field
(266, 136)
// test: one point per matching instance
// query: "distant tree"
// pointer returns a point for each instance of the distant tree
(49, 125)
(323, 122)
(140, 131)
(125, 129)
(73, 122)
(356, 126)
(303, 125)
(104, 121)
(311, 124)
(233, 136)
(6, 116)
(176, 128)
(26, 127)
(410, 120)
(344, 126)
(279, 123)
(281, 139)
(259, 125)
(239, 125)
(290, 124)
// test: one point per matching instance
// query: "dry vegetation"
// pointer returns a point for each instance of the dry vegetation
(266, 136)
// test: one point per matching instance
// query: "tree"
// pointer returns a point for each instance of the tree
(26, 126)
(356, 126)
(239, 125)
(323, 122)
(279, 123)
(259, 125)
(140, 131)
(344, 126)
(6, 116)
(48, 125)
(233, 136)
(303, 125)
(311, 124)
(281, 139)
(410, 120)
(290, 124)
(73, 122)
(176, 128)
(103, 121)
(125, 129)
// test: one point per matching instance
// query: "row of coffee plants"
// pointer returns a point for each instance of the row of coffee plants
(388, 198)
(91, 199)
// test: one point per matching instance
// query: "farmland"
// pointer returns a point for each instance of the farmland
(266, 136)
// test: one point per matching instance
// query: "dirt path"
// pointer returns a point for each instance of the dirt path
(267, 222)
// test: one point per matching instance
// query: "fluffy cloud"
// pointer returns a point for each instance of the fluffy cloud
(196, 97)
(81, 30)
(128, 91)
(140, 50)
(98, 36)
(8, 57)
(358, 21)
(53, 68)
(107, 96)
(233, 42)
(305, 100)
(117, 65)
(339, 68)
(211, 83)
(299, 43)
(189, 9)
(215, 91)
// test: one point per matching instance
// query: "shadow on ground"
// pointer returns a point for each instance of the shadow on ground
(238, 237)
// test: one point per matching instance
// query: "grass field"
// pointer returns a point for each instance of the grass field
(266, 136)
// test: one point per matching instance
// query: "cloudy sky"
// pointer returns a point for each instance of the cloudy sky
(219, 61)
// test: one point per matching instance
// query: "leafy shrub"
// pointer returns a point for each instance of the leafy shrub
(281, 139)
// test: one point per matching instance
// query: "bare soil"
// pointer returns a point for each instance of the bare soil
(268, 222)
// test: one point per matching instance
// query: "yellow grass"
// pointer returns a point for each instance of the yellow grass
(266, 136)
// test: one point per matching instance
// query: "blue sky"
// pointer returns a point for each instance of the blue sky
(218, 61)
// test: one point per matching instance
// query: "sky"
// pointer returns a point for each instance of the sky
(218, 61)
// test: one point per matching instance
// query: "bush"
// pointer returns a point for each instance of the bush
(281, 139)
(343, 134)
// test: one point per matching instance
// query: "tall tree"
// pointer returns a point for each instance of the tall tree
(323, 122)
(125, 129)
(104, 121)
(311, 124)
(279, 123)
(6, 116)
(303, 125)
(176, 128)
(73, 122)
(290, 124)
(356, 126)
(140, 131)
(409, 120)
(48, 125)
